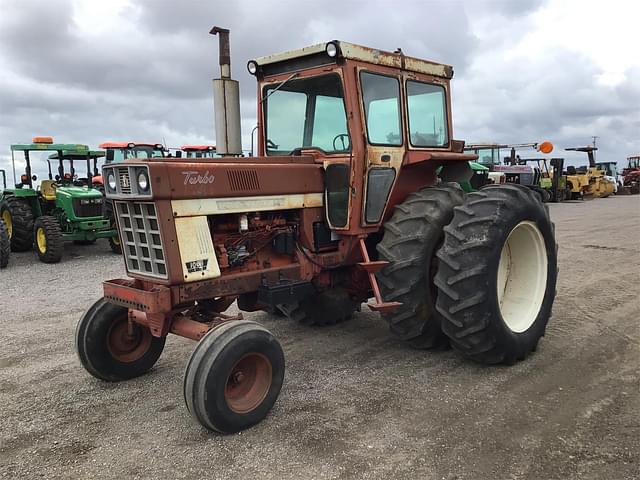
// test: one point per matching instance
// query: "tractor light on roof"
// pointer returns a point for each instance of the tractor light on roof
(131, 145)
(252, 67)
(159, 146)
(143, 181)
(111, 181)
(332, 49)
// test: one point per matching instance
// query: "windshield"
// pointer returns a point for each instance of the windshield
(141, 151)
(201, 154)
(488, 156)
(306, 113)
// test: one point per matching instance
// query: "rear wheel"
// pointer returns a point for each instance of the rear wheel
(5, 245)
(324, 308)
(112, 350)
(411, 238)
(48, 239)
(497, 274)
(234, 376)
(18, 217)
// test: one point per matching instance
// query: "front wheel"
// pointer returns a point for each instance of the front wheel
(234, 376)
(497, 274)
(48, 239)
(112, 350)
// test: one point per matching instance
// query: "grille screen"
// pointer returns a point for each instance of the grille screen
(140, 236)
(90, 210)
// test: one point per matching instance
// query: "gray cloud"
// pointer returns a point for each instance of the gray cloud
(148, 77)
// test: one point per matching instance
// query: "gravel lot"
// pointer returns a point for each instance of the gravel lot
(356, 402)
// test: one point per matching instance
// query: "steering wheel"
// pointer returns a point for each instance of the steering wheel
(341, 136)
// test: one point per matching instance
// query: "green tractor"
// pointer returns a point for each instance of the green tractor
(5, 248)
(64, 208)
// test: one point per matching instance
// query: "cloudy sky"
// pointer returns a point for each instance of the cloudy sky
(86, 71)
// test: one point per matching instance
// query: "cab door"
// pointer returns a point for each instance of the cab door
(382, 110)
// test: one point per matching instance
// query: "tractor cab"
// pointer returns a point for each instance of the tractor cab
(120, 151)
(64, 207)
(197, 151)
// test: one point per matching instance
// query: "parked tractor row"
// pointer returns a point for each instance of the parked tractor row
(67, 206)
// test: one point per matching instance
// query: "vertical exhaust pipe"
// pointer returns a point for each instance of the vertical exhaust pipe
(226, 101)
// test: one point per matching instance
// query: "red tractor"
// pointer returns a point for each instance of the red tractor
(198, 151)
(353, 196)
(631, 175)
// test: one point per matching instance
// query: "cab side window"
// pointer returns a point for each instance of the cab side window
(381, 97)
(427, 115)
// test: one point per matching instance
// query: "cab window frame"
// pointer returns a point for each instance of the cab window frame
(265, 88)
(401, 120)
(446, 106)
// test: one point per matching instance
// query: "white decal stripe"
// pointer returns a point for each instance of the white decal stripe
(216, 206)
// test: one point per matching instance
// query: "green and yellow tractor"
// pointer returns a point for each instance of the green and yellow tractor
(62, 208)
(5, 249)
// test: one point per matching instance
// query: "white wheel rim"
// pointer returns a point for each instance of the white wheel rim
(522, 276)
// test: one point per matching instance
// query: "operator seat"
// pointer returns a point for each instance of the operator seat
(48, 190)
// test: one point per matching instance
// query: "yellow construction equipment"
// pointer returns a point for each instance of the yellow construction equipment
(588, 181)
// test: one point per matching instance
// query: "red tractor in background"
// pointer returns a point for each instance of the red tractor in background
(354, 195)
(198, 151)
(631, 175)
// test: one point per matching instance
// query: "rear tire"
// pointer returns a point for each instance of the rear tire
(47, 239)
(17, 214)
(322, 309)
(105, 348)
(5, 245)
(234, 376)
(411, 238)
(497, 274)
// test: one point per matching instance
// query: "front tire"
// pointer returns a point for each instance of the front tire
(497, 274)
(47, 238)
(108, 350)
(234, 376)
(411, 238)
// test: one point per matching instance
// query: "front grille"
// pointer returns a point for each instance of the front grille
(124, 180)
(141, 240)
(89, 210)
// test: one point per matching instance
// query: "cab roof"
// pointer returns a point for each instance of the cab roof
(126, 144)
(197, 147)
(316, 55)
(23, 147)
(78, 155)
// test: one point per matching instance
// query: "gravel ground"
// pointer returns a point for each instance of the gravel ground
(356, 402)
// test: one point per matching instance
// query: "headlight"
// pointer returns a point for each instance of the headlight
(331, 49)
(252, 67)
(111, 181)
(143, 181)
(85, 201)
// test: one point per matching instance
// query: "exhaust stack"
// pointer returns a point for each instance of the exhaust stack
(226, 101)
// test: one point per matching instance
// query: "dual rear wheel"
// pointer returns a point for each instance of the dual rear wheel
(476, 271)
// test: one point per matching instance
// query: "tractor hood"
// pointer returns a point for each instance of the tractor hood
(223, 177)
(78, 192)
